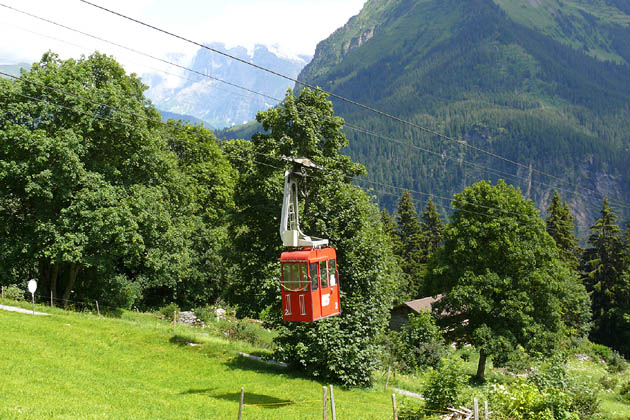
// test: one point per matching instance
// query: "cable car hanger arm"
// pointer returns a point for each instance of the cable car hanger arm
(290, 232)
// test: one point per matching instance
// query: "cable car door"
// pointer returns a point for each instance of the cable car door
(329, 291)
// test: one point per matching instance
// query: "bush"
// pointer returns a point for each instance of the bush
(419, 344)
(444, 384)
(566, 396)
(608, 382)
(168, 311)
(246, 330)
(616, 362)
(624, 392)
(515, 361)
(12, 292)
(523, 401)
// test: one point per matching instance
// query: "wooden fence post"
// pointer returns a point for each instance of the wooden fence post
(476, 408)
(389, 371)
(240, 405)
(98, 309)
(51, 298)
(332, 404)
(324, 389)
(394, 407)
(485, 411)
(2, 292)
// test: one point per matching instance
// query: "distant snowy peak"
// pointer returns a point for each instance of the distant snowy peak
(219, 103)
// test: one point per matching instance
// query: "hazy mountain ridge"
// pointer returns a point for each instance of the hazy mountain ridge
(472, 71)
(219, 104)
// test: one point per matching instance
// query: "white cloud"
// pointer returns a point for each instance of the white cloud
(294, 26)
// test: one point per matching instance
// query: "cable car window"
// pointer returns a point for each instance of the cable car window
(294, 277)
(314, 279)
(333, 272)
(323, 272)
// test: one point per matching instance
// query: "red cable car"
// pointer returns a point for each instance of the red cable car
(309, 277)
(310, 287)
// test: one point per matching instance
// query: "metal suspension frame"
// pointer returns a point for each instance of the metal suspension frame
(290, 233)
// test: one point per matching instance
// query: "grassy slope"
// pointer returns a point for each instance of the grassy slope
(77, 366)
(543, 15)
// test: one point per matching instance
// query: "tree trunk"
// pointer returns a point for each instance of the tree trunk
(481, 367)
(48, 273)
(72, 277)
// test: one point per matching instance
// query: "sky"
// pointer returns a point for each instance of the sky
(293, 26)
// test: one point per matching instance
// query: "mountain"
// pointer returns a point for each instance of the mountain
(545, 83)
(186, 118)
(217, 103)
(14, 69)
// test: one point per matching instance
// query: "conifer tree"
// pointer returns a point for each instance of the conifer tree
(409, 231)
(432, 229)
(561, 228)
(389, 228)
(603, 266)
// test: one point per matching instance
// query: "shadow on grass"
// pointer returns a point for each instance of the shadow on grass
(266, 401)
(183, 340)
(244, 363)
(198, 391)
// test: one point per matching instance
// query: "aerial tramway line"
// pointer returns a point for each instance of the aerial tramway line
(309, 276)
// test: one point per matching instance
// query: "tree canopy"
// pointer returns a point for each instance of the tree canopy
(339, 348)
(607, 273)
(93, 199)
(503, 282)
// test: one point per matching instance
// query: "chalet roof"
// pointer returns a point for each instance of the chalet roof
(423, 304)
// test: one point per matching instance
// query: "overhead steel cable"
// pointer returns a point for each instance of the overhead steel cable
(135, 51)
(145, 65)
(283, 167)
(159, 122)
(343, 98)
(620, 203)
(442, 156)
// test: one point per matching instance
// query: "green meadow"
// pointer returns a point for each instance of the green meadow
(78, 366)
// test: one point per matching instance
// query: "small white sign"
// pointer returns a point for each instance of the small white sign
(32, 286)
(325, 300)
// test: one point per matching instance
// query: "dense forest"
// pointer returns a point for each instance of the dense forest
(544, 85)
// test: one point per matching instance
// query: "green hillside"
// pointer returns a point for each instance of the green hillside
(542, 82)
(78, 366)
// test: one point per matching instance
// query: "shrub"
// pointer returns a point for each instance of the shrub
(168, 311)
(624, 392)
(419, 343)
(444, 384)
(608, 382)
(616, 362)
(564, 394)
(514, 361)
(246, 330)
(12, 292)
(522, 401)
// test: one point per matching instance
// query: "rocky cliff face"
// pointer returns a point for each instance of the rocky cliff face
(218, 104)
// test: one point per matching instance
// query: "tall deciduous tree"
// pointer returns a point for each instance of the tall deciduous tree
(339, 348)
(603, 265)
(91, 195)
(562, 229)
(501, 277)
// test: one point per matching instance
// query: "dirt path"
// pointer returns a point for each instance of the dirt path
(21, 310)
